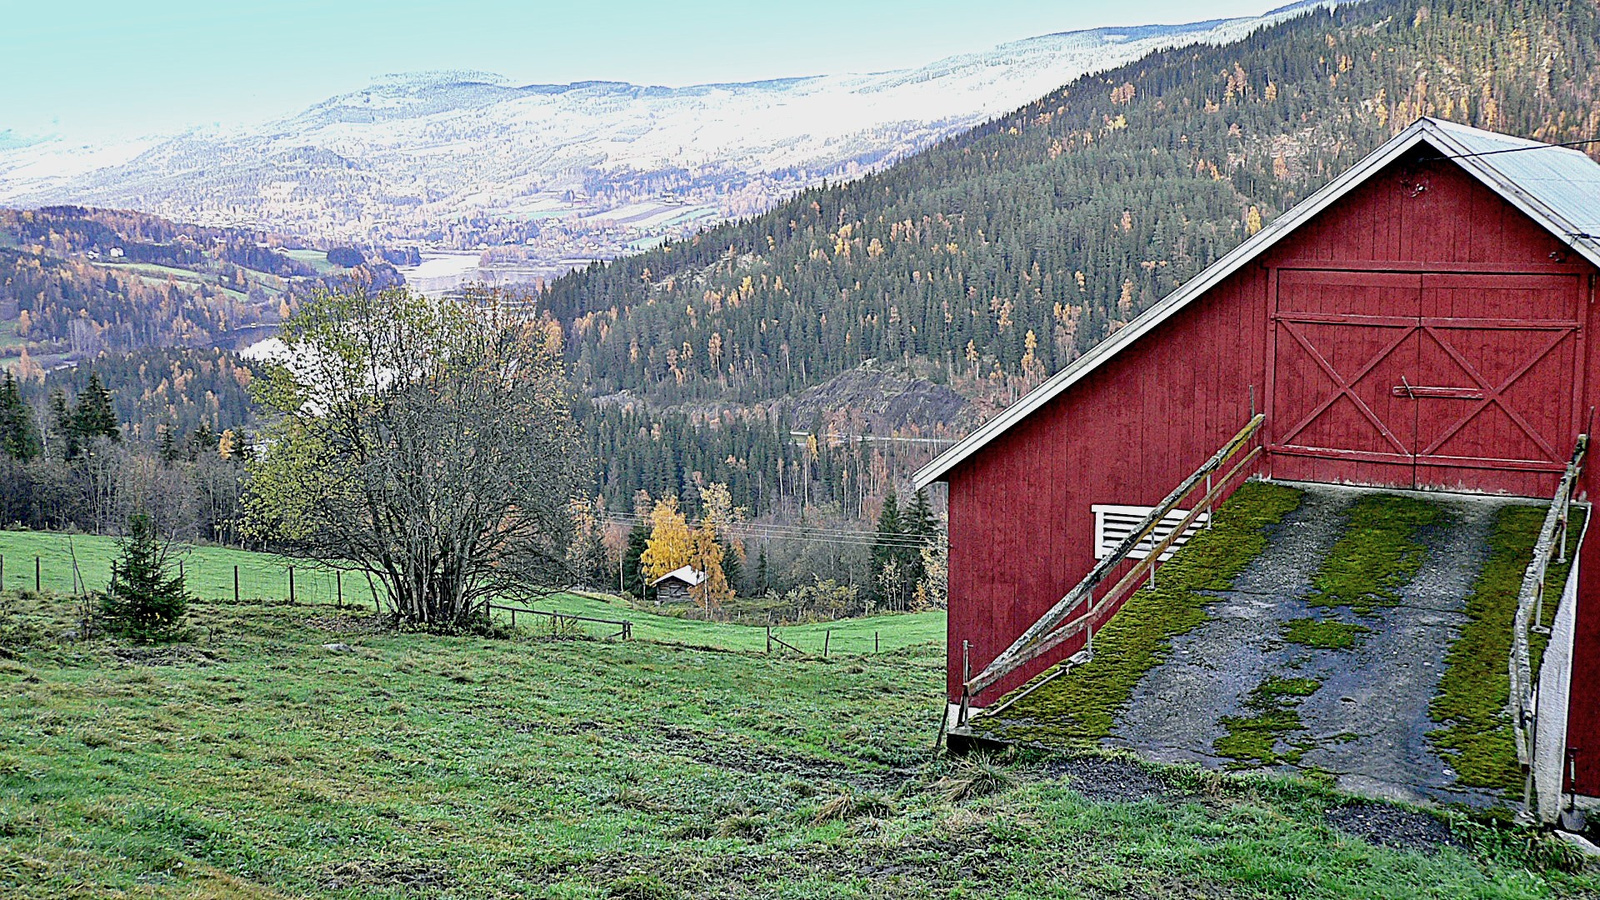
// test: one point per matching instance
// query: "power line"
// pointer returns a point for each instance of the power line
(1581, 143)
(801, 533)
(813, 534)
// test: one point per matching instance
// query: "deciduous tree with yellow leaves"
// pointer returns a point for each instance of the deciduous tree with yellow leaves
(671, 543)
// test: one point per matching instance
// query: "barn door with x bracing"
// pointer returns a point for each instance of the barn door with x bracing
(1497, 394)
(1456, 381)
(1341, 341)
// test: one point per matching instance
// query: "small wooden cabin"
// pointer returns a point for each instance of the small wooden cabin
(1422, 321)
(674, 586)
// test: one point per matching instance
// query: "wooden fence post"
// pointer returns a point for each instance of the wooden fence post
(874, 642)
(235, 584)
(769, 637)
(181, 576)
(2, 571)
(291, 585)
(338, 583)
(827, 636)
(37, 580)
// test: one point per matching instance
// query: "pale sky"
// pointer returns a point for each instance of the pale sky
(93, 70)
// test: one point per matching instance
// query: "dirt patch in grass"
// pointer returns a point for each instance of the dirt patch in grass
(1473, 691)
(1079, 710)
(1379, 554)
(1391, 826)
(1105, 779)
(1323, 634)
(1274, 706)
(414, 875)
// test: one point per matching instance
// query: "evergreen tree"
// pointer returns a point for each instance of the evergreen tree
(919, 520)
(93, 416)
(920, 523)
(632, 569)
(202, 441)
(62, 428)
(146, 600)
(733, 566)
(887, 556)
(19, 438)
(169, 446)
(763, 573)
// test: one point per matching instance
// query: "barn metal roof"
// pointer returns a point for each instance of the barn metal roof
(1558, 187)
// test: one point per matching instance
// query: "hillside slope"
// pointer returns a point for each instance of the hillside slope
(1000, 255)
(463, 157)
(76, 282)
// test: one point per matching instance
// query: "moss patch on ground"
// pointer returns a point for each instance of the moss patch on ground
(1274, 706)
(1379, 554)
(1080, 709)
(1475, 688)
(1323, 634)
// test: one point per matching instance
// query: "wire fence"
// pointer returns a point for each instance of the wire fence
(215, 575)
(65, 567)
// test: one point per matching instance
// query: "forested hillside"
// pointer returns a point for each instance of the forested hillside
(999, 256)
(168, 390)
(76, 282)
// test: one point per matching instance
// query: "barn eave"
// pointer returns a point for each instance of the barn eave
(1560, 190)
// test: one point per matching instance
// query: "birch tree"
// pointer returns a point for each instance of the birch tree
(424, 443)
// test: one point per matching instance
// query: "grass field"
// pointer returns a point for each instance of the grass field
(316, 259)
(209, 573)
(299, 750)
(9, 339)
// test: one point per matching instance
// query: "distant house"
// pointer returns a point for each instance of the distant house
(674, 586)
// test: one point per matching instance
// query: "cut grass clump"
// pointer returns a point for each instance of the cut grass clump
(1473, 691)
(974, 775)
(1379, 554)
(1078, 710)
(1253, 740)
(850, 805)
(1323, 634)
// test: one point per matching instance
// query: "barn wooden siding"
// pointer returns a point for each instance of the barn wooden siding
(1420, 240)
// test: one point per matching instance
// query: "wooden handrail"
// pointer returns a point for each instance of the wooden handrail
(1054, 627)
(1530, 601)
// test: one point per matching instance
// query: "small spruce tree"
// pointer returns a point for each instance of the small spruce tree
(146, 600)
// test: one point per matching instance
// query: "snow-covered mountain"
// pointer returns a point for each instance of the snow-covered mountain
(575, 170)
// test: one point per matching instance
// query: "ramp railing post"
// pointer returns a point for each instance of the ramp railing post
(966, 676)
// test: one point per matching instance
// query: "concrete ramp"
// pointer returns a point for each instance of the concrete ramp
(1326, 652)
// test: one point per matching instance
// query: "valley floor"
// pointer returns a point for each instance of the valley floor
(299, 751)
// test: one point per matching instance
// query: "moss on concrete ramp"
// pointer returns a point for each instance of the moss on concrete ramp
(1080, 709)
(1355, 634)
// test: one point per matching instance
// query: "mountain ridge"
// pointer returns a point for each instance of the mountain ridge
(420, 156)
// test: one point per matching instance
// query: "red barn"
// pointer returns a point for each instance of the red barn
(1422, 321)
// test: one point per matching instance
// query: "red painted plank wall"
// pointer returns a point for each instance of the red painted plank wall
(1021, 529)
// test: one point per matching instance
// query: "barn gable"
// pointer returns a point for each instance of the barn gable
(1558, 189)
(1422, 321)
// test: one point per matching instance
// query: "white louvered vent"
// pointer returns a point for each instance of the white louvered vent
(1114, 523)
